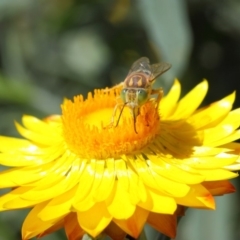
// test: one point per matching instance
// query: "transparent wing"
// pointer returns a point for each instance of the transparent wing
(116, 87)
(141, 65)
(158, 68)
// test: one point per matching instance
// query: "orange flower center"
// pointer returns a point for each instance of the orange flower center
(89, 131)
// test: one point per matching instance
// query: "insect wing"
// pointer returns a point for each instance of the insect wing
(141, 65)
(159, 68)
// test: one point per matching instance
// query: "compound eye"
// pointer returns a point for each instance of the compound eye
(123, 94)
(142, 96)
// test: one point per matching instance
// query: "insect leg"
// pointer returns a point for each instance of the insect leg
(117, 106)
(111, 124)
(114, 113)
(120, 114)
(159, 92)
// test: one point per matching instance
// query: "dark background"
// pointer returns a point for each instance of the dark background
(51, 49)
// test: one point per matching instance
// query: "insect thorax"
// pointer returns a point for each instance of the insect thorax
(137, 80)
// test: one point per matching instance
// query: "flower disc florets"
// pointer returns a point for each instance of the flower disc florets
(89, 132)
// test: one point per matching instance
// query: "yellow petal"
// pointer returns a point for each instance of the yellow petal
(170, 187)
(13, 200)
(98, 180)
(177, 144)
(85, 198)
(172, 172)
(122, 174)
(116, 201)
(198, 197)
(130, 182)
(95, 219)
(168, 103)
(33, 226)
(30, 156)
(36, 125)
(217, 174)
(55, 183)
(156, 202)
(204, 151)
(230, 138)
(86, 180)
(134, 225)
(84, 204)
(57, 226)
(137, 189)
(156, 181)
(189, 103)
(233, 147)
(225, 128)
(19, 176)
(11, 145)
(37, 137)
(58, 207)
(104, 189)
(218, 161)
(210, 116)
(26, 175)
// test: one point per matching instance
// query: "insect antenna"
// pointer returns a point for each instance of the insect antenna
(124, 105)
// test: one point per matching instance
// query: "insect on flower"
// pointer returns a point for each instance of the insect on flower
(137, 87)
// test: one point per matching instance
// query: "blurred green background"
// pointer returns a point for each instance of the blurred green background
(51, 49)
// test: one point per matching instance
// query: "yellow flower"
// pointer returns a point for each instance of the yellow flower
(77, 173)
